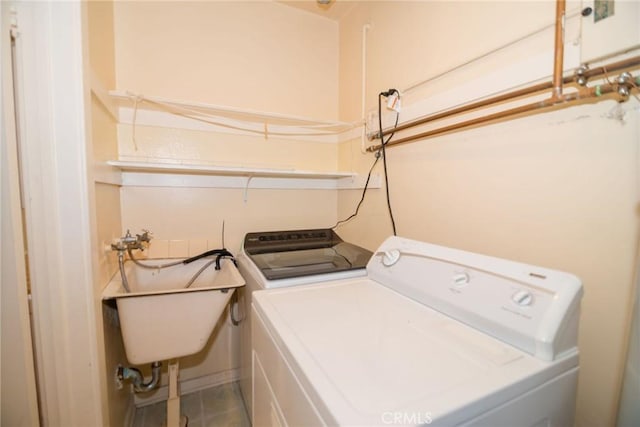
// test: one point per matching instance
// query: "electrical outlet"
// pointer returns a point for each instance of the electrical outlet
(394, 103)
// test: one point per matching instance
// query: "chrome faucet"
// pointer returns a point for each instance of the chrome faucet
(145, 237)
(128, 242)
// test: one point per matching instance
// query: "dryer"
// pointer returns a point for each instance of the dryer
(431, 336)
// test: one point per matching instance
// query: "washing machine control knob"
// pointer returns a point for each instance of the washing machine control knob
(390, 257)
(523, 298)
(461, 279)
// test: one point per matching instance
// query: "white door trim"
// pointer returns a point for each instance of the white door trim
(19, 394)
(53, 130)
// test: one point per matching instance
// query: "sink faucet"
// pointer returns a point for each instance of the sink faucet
(126, 244)
(144, 237)
(128, 241)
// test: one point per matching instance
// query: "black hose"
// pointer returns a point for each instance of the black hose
(220, 252)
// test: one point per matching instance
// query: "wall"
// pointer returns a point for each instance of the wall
(106, 200)
(629, 412)
(253, 55)
(558, 189)
(257, 56)
(250, 54)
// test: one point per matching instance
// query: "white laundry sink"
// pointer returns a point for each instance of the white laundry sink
(160, 319)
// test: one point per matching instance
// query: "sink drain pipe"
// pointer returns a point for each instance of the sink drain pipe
(136, 377)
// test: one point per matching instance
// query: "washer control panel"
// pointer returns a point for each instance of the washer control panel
(521, 304)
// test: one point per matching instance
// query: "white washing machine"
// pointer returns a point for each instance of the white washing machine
(277, 259)
(431, 336)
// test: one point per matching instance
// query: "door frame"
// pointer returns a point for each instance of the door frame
(59, 213)
(20, 398)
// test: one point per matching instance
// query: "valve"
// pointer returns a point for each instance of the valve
(625, 84)
(581, 77)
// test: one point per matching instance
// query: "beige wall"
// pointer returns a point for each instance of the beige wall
(253, 55)
(250, 54)
(224, 149)
(106, 197)
(558, 189)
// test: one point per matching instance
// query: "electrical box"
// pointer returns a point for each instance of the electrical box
(609, 27)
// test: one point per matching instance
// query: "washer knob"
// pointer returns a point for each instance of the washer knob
(461, 279)
(390, 257)
(522, 298)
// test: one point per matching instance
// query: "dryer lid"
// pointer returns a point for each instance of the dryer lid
(365, 349)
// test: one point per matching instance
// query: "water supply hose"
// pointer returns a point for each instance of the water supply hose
(152, 267)
(234, 303)
(195, 276)
(125, 282)
(221, 253)
(207, 265)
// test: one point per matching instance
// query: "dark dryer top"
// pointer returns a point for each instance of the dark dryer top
(296, 253)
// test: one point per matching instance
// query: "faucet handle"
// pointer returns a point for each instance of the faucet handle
(145, 236)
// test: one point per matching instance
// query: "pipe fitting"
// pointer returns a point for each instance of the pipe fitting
(581, 75)
(127, 373)
(625, 84)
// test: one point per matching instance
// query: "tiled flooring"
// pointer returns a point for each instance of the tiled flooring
(220, 406)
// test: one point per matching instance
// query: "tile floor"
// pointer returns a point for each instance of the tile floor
(220, 406)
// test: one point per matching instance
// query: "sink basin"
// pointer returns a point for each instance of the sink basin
(162, 320)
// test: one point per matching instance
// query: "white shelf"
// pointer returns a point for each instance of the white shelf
(154, 174)
(132, 166)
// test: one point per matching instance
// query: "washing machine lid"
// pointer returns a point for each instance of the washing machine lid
(280, 255)
(249, 267)
(365, 352)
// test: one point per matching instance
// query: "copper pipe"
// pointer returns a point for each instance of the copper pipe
(556, 96)
(625, 64)
(585, 94)
(558, 49)
(473, 106)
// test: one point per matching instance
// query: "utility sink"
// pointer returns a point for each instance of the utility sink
(160, 319)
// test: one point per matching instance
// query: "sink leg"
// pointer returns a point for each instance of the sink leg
(173, 403)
